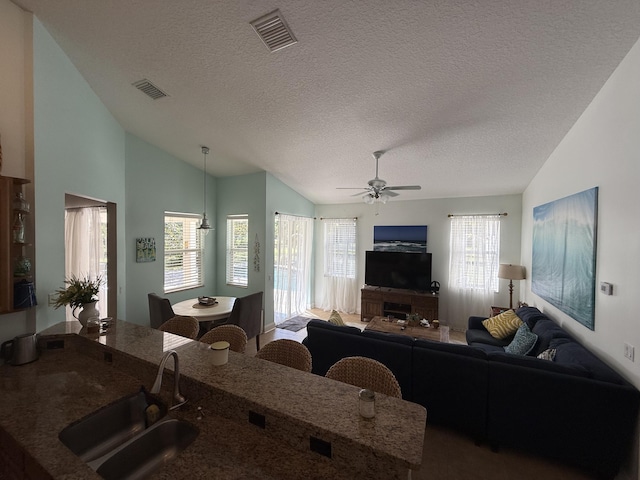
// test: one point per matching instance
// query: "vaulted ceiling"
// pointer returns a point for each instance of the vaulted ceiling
(468, 98)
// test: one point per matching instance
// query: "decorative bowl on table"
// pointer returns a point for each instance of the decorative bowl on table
(207, 301)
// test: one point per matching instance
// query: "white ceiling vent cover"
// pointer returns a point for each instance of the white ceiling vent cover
(145, 86)
(274, 31)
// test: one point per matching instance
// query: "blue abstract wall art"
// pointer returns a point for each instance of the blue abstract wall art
(563, 269)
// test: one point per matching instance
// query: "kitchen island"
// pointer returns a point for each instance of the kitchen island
(79, 373)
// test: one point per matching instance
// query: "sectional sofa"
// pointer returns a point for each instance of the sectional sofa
(449, 379)
(574, 409)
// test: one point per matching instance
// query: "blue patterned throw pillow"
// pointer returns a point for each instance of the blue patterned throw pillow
(523, 342)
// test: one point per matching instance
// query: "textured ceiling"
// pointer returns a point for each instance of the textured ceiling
(468, 97)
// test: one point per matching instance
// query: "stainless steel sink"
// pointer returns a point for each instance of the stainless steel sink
(102, 431)
(148, 451)
(116, 443)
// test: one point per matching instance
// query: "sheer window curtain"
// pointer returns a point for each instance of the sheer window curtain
(85, 249)
(292, 265)
(473, 266)
(340, 289)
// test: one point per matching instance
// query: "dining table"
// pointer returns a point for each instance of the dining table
(207, 315)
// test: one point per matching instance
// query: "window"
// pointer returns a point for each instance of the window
(183, 252)
(475, 252)
(340, 248)
(238, 250)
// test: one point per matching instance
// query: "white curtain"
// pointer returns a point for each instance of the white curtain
(85, 249)
(473, 266)
(340, 288)
(292, 266)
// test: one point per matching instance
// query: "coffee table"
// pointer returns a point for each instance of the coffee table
(382, 324)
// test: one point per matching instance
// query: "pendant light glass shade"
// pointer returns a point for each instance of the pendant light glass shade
(204, 225)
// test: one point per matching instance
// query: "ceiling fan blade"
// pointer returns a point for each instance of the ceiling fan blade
(378, 189)
(404, 187)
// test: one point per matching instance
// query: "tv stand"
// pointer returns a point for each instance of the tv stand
(382, 302)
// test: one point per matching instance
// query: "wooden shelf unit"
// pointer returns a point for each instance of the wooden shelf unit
(10, 251)
(378, 301)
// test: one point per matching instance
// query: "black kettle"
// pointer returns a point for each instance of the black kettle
(435, 287)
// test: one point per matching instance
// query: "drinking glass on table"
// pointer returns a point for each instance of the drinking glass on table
(444, 333)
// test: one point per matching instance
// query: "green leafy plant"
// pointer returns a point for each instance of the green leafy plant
(79, 291)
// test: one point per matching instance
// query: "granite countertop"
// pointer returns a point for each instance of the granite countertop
(64, 385)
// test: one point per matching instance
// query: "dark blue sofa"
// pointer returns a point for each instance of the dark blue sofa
(575, 409)
(449, 380)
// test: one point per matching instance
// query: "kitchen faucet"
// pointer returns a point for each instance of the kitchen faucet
(178, 399)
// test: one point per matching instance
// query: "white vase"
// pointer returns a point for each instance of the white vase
(89, 310)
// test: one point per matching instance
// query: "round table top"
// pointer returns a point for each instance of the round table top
(205, 313)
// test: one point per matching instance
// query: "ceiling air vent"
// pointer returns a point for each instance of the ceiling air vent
(274, 31)
(145, 86)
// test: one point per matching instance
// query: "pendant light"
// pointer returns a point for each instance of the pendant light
(205, 226)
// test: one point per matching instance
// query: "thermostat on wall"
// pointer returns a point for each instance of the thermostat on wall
(606, 288)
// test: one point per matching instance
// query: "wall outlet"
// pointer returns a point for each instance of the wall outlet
(320, 446)
(629, 351)
(257, 419)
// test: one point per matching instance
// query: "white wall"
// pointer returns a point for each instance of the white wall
(157, 182)
(432, 213)
(602, 149)
(238, 195)
(16, 129)
(13, 51)
(79, 148)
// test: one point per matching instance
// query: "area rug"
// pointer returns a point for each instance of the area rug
(295, 323)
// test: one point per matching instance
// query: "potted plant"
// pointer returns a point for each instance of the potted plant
(80, 293)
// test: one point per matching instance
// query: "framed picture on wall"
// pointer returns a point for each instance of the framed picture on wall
(400, 238)
(563, 268)
(145, 250)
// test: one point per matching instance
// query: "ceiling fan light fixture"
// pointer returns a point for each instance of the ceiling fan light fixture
(377, 191)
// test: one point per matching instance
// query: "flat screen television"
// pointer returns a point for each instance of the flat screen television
(406, 270)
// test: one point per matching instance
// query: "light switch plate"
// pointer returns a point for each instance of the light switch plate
(606, 288)
(629, 351)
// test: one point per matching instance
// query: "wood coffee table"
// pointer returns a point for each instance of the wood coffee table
(381, 324)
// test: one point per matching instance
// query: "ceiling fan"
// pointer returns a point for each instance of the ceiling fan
(378, 190)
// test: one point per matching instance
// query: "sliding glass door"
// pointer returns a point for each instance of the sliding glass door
(292, 266)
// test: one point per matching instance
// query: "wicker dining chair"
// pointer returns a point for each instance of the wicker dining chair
(365, 372)
(181, 325)
(287, 352)
(233, 334)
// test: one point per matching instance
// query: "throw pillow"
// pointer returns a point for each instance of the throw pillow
(503, 325)
(548, 354)
(522, 342)
(336, 319)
